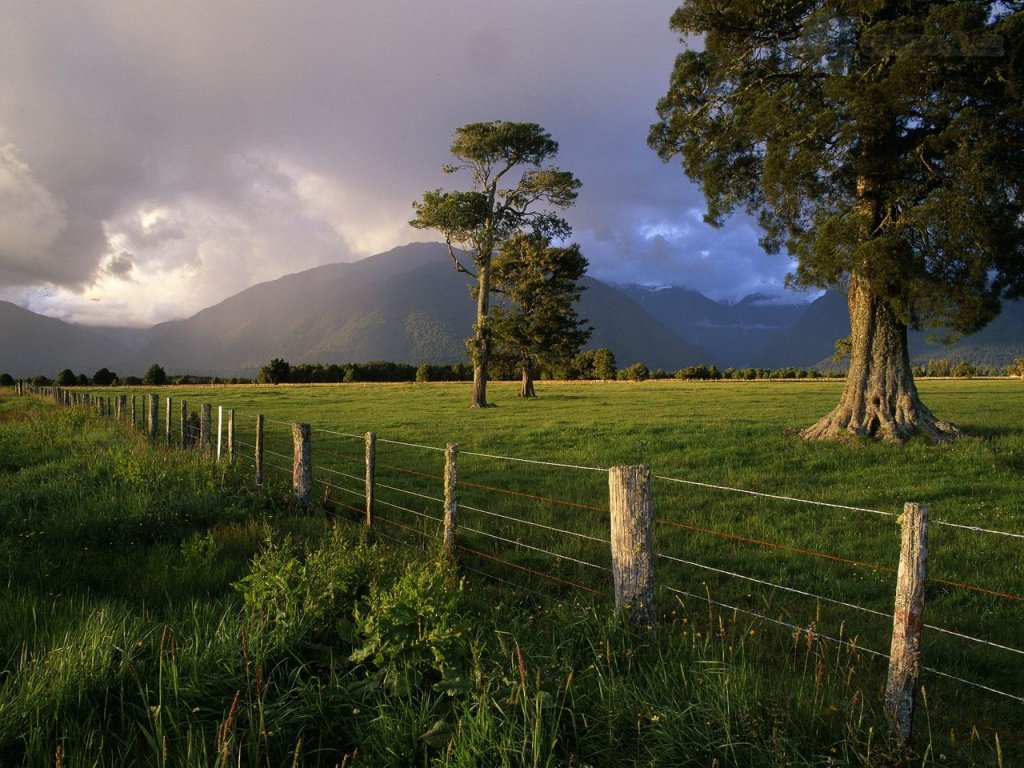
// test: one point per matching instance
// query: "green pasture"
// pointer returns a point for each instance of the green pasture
(740, 435)
(534, 533)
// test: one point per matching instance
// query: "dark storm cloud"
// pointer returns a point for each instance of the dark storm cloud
(222, 143)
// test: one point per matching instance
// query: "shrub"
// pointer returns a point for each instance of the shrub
(413, 633)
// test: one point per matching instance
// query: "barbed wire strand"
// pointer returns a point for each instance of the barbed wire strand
(509, 492)
(779, 622)
(973, 684)
(834, 601)
(345, 456)
(534, 524)
(773, 545)
(781, 587)
(838, 559)
(396, 524)
(361, 494)
(410, 445)
(532, 461)
(839, 641)
(514, 585)
(410, 493)
(541, 574)
(776, 497)
(341, 474)
(424, 515)
(408, 471)
(340, 434)
(535, 549)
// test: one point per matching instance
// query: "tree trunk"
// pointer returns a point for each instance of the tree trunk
(880, 398)
(526, 388)
(482, 336)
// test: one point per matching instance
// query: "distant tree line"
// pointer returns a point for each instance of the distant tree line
(592, 365)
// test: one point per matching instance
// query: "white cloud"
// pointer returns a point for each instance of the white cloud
(31, 220)
(172, 156)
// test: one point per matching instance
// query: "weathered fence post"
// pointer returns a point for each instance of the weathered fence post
(302, 464)
(122, 407)
(451, 498)
(133, 411)
(231, 436)
(908, 618)
(259, 449)
(154, 415)
(220, 430)
(371, 461)
(632, 513)
(167, 425)
(204, 429)
(184, 424)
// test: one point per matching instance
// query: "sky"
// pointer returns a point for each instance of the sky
(159, 157)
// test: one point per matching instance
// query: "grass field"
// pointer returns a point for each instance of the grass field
(738, 435)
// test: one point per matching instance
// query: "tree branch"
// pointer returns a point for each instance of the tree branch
(455, 260)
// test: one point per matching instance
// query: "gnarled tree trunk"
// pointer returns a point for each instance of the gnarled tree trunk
(482, 336)
(526, 386)
(880, 398)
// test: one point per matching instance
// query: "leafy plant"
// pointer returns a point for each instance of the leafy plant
(414, 633)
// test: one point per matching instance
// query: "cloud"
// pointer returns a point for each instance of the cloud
(173, 154)
(31, 221)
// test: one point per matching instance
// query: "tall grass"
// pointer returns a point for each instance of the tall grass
(162, 610)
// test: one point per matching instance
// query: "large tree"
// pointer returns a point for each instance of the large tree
(511, 191)
(536, 320)
(882, 144)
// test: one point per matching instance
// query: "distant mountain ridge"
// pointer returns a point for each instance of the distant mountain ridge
(409, 305)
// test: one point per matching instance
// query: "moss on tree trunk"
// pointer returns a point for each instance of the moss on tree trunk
(880, 399)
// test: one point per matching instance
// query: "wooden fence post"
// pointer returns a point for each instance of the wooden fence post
(184, 424)
(451, 498)
(133, 411)
(204, 429)
(220, 430)
(154, 415)
(908, 618)
(259, 449)
(231, 436)
(122, 407)
(371, 461)
(632, 513)
(302, 464)
(167, 420)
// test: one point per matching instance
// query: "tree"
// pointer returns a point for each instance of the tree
(277, 371)
(155, 376)
(499, 205)
(537, 320)
(882, 144)
(66, 378)
(6, 380)
(604, 364)
(104, 377)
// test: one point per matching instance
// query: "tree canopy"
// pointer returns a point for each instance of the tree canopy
(511, 191)
(537, 319)
(882, 145)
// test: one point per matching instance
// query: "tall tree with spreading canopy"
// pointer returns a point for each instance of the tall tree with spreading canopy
(536, 320)
(882, 144)
(512, 191)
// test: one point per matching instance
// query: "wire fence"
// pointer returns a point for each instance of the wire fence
(543, 526)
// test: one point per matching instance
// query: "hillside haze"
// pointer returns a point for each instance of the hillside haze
(409, 305)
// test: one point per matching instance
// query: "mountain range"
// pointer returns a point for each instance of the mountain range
(409, 305)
